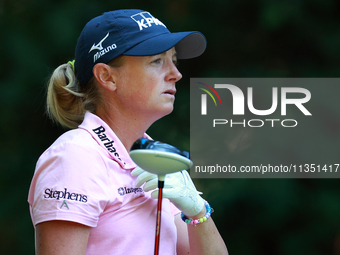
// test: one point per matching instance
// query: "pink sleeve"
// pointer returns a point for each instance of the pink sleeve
(174, 209)
(70, 183)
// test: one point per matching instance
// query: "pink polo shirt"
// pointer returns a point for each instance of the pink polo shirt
(84, 177)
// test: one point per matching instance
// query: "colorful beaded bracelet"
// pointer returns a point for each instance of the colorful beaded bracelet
(200, 220)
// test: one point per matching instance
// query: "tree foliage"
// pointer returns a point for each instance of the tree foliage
(246, 38)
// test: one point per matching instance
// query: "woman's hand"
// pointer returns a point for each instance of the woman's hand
(178, 188)
(203, 239)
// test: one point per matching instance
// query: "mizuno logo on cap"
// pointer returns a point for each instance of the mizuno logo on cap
(145, 20)
(101, 49)
(99, 46)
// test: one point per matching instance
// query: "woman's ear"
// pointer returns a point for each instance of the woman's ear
(105, 75)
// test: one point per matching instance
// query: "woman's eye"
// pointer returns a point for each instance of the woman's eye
(157, 61)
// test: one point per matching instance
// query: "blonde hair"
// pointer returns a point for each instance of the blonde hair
(68, 100)
(66, 103)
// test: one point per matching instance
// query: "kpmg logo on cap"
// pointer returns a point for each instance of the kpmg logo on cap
(146, 20)
(102, 50)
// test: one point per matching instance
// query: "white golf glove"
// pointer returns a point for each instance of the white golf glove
(178, 188)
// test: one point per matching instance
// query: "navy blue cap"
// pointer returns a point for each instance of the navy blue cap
(133, 33)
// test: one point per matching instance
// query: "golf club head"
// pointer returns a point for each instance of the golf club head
(159, 158)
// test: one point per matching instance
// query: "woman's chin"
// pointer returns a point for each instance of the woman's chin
(164, 112)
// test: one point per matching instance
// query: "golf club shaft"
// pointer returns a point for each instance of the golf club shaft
(159, 212)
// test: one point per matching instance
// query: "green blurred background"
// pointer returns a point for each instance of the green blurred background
(246, 38)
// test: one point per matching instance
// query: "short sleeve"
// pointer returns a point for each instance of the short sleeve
(70, 183)
(174, 209)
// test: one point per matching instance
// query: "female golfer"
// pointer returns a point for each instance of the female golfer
(87, 195)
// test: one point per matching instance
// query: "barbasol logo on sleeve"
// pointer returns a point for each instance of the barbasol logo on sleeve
(146, 20)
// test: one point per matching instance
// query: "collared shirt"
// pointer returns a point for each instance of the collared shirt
(84, 177)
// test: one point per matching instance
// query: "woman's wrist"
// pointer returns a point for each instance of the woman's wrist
(200, 214)
(203, 216)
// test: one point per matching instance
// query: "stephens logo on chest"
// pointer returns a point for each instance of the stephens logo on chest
(100, 132)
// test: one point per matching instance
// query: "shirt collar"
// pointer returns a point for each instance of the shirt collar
(108, 140)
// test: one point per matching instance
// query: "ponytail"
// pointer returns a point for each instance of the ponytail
(66, 103)
(68, 100)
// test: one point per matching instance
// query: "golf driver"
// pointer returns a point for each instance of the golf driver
(160, 159)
